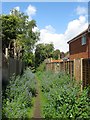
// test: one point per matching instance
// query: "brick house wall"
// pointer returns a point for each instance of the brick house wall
(77, 50)
(89, 46)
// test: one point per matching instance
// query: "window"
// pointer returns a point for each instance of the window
(83, 40)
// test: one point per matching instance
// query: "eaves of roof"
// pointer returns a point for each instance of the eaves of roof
(78, 36)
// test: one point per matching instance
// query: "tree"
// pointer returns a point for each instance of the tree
(49, 48)
(28, 42)
(16, 27)
(56, 54)
(9, 29)
(42, 52)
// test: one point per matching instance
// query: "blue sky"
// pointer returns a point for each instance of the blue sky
(54, 19)
(56, 14)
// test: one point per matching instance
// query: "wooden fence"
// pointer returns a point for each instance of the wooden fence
(86, 71)
(67, 67)
(78, 68)
(11, 66)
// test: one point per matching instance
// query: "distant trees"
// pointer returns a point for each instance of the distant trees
(45, 51)
(42, 52)
(56, 54)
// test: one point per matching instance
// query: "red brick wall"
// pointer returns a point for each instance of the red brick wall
(89, 47)
(77, 50)
(79, 55)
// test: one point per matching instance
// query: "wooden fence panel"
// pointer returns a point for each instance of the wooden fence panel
(86, 72)
(69, 68)
(62, 66)
(11, 66)
(71, 72)
(79, 69)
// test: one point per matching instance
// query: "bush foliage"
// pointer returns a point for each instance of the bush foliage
(63, 97)
(19, 95)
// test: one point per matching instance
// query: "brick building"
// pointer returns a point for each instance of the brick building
(79, 46)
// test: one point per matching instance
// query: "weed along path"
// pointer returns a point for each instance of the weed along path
(37, 104)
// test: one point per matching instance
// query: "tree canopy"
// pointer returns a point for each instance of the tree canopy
(9, 29)
(56, 54)
(16, 27)
(42, 52)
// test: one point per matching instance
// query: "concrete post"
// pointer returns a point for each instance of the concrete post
(15, 50)
(81, 74)
(6, 53)
(74, 68)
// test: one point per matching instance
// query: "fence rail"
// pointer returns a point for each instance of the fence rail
(78, 68)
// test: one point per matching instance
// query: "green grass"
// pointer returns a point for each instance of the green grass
(31, 110)
(43, 99)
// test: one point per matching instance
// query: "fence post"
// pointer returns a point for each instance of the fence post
(74, 68)
(6, 53)
(81, 74)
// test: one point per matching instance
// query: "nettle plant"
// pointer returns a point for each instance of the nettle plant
(19, 95)
(64, 98)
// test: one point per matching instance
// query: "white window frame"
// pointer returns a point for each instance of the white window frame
(83, 40)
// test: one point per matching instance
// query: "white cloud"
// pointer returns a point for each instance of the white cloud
(50, 37)
(17, 8)
(31, 10)
(49, 29)
(74, 27)
(35, 29)
(81, 10)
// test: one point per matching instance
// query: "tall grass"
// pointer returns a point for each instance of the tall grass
(62, 97)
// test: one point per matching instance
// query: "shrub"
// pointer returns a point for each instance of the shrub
(42, 67)
(19, 95)
(63, 97)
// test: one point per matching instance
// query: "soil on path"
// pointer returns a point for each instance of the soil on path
(37, 105)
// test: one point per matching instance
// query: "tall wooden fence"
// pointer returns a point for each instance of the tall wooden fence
(11, 66)
(78, 68)
(86, 72)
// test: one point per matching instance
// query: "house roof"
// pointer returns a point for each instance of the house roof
(78, 36)
(56, 61)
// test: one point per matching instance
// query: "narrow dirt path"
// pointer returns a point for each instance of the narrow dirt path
(37, 105)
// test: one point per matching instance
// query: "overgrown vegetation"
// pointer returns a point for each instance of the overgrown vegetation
(42, 67)
(19, 95)
(62, 97)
